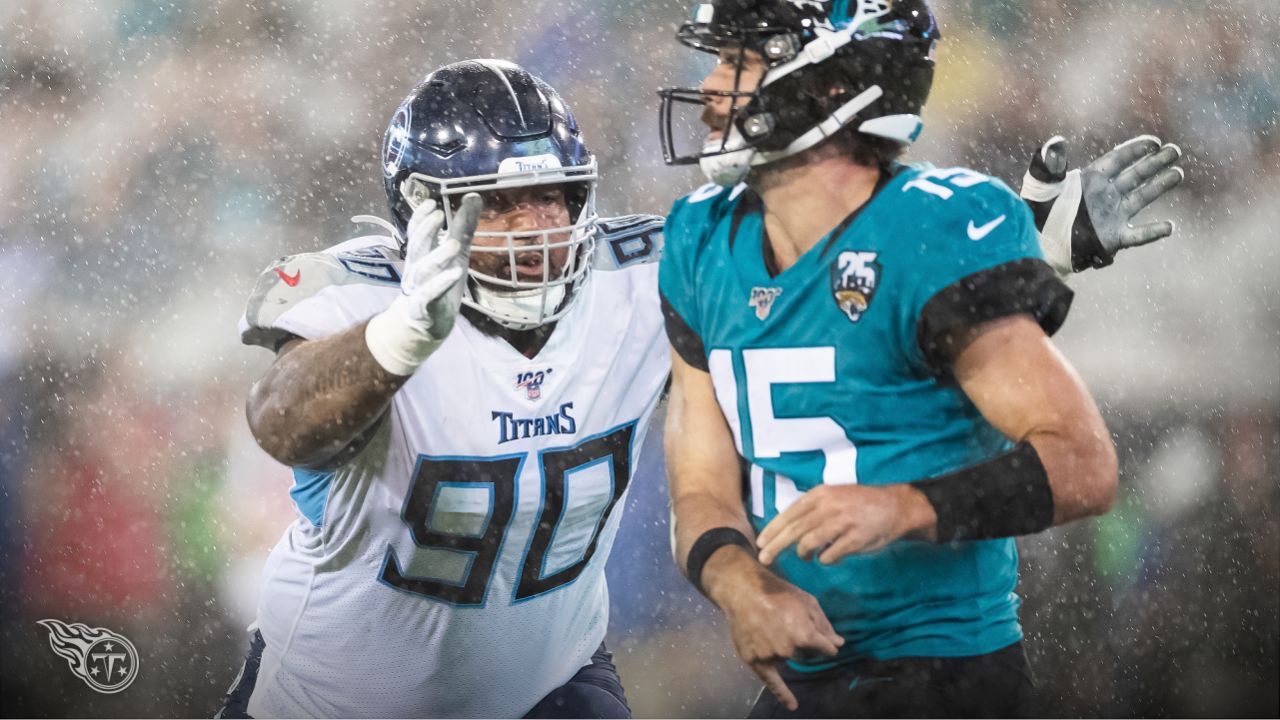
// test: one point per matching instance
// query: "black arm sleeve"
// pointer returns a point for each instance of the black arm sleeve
(1021, 286)
(1006, 496)
(683, 338)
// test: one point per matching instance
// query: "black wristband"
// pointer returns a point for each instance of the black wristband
(1006, 496)
(706, 544)
(1086, 247)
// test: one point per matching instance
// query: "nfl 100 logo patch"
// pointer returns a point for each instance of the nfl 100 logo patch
(762, 300)
(855, 275)
(531, 382)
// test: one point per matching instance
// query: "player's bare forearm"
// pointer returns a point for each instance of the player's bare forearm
(769, 618)
(702, 469)
(1025, 387)
(319, 397)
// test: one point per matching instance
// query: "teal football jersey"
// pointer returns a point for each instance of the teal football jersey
(836, 371)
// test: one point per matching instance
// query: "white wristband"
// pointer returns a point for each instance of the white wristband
(396, 342)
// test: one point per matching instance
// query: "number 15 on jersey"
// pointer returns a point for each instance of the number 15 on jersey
(745, 382)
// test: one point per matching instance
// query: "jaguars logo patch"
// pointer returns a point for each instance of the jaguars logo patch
(855, 275)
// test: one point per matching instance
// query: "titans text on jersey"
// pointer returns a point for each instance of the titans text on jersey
(511, 427)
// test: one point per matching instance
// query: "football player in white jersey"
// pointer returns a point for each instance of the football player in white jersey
(463, 403)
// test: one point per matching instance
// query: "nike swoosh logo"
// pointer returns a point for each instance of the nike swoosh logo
(977, 233)
(867, 681)
(290, 280)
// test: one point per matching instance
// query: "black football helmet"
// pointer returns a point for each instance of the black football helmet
(484, 125)
(831, 64)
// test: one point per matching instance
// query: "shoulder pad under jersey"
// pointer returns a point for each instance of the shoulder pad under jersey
(628, 240)
(694, 217)
(294, 279)
(950, 197)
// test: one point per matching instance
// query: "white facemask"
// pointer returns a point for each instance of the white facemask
(728, 167)
(518, 309)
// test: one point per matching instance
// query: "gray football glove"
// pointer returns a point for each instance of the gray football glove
(1085, 217)
(419, 319)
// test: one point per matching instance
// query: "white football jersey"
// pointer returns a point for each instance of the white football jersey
(455, 566)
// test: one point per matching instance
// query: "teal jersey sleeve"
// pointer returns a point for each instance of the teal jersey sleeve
(979, 260)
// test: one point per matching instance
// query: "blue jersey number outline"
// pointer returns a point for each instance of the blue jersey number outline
(499, 476)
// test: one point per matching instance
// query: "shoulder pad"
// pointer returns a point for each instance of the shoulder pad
(294, 279)
(628, 240)
(964, 215)
(694, 216)
(711, 198)
(955, 188)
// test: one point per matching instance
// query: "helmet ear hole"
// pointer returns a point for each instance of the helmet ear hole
(576, 196)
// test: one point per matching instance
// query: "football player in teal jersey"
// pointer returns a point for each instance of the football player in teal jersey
(871, 341)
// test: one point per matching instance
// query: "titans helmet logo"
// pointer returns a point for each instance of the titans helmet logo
(397, 140)
(855, 275)
(104, 660)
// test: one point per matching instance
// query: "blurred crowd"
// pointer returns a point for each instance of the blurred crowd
(157, 155)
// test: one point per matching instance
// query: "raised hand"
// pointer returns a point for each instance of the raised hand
(1086, 217)
(417, 322)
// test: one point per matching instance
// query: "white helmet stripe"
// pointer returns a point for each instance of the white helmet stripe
(838, 119)
(496, 67)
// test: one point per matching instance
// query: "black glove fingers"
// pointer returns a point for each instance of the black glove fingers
(1049, 161)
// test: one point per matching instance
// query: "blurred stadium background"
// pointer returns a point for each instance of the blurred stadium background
(157, 155)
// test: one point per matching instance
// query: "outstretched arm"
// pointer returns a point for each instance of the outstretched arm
(322, 398)
(770, 619)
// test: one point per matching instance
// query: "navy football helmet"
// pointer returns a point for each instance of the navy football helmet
(484, 125)
(830, 64)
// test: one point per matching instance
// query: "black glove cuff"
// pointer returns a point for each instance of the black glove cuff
(706, 544)
(1006, 496)
(1086, 249)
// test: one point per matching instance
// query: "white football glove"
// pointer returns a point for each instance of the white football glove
(1085, 217)
(404, 335)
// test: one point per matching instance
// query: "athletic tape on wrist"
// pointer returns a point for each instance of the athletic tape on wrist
(1057, 230)
(394, 344)
(1038, 191)
(706, 544)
